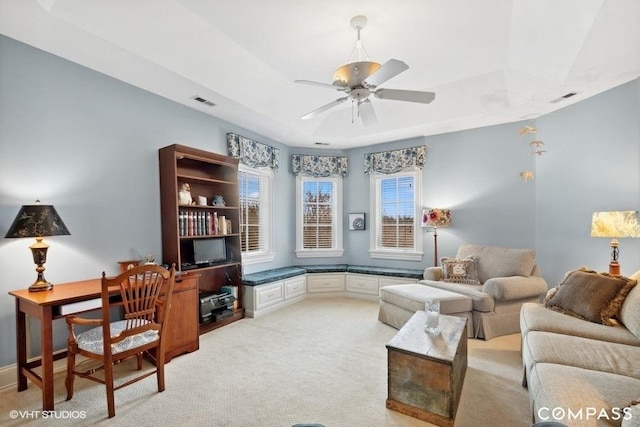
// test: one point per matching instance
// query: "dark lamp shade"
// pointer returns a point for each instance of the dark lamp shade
(37, 221)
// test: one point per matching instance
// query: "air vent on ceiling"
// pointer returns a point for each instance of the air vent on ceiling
(322, 143)
(204, 101)
(563, 97)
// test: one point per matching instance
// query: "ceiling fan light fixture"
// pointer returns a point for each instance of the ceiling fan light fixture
(353, 73)
(360, 78)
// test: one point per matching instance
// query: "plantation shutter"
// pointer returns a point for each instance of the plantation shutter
(318, 215)
(253, 222)
(396, 207)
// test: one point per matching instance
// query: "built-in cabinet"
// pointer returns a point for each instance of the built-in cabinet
(200, 211)
(268, 297)
(265, 298)
(369, 285)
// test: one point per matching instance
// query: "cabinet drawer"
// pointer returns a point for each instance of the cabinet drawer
(294, 287)
(325, 282)
(269, 295)
(362, 284)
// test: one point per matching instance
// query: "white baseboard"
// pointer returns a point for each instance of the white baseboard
(9, 374)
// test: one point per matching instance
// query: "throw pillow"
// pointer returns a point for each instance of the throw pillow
(456, 270)
(591, 296)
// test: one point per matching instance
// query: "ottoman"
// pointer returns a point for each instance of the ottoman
(399, 302)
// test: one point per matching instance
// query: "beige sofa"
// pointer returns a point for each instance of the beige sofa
(582, 373)
(507, 279)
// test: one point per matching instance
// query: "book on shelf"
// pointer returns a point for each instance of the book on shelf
(197, 223)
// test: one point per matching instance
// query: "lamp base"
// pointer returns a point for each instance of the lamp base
(39, 252)
(614, 268)
(40, 285)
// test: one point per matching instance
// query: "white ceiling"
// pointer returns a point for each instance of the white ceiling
(489, 62)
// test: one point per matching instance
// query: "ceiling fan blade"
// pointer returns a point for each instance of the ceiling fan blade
(387, 71)
(324, 108)
(405, 95)
(367, 113)
(327, 85)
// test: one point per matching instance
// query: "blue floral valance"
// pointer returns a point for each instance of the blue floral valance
(318, 166)
(395, 160)
(252, 153)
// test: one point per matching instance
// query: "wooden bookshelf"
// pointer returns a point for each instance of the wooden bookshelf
(208, 175)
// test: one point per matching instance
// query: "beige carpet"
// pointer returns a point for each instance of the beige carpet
(322, 360)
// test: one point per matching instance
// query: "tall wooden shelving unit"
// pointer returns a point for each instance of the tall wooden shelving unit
(209, 175)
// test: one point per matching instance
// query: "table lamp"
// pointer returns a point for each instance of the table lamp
(615, 224)
(435, 218)
(38, 221)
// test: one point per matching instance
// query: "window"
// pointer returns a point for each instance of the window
(319, 217)
(255, 214)
(395, 205)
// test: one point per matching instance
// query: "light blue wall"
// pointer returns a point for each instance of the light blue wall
(475, 174)
(88, 144)
(591, 165)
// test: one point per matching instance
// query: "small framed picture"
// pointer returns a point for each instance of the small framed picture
(356, 221)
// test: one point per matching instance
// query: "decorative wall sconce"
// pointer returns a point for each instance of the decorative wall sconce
(538, 150)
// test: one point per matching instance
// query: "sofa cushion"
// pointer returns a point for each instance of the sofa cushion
(589, 295)
(632, 416)
(535, 317)
(459, 270)
(596, 355)
(492, 261)
(630, 311)
(482, 301)
(413, 296)
(565, 388)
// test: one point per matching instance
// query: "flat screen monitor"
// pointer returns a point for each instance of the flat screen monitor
(207, 251)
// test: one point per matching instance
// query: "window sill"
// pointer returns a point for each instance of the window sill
(257, 258)
(396, 255)
(319, 253)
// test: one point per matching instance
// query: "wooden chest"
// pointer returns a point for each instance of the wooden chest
(426, 373)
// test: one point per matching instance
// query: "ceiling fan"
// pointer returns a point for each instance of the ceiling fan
(360, 78)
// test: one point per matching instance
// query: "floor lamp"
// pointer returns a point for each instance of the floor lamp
(436, 218)
(615, 224)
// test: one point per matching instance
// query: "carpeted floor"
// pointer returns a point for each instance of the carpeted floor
(322, 360)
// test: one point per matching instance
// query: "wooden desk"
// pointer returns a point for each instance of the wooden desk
(54, 304)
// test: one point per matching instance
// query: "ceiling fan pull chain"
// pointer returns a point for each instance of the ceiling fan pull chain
(352, 119)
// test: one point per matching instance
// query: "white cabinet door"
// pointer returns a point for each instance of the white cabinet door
(362, 284)
(268, 295)
(295, 286)
(325, 282)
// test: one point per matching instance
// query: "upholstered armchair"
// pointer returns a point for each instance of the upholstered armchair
(498, 280)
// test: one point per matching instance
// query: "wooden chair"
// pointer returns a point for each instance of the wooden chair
(141, 330)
